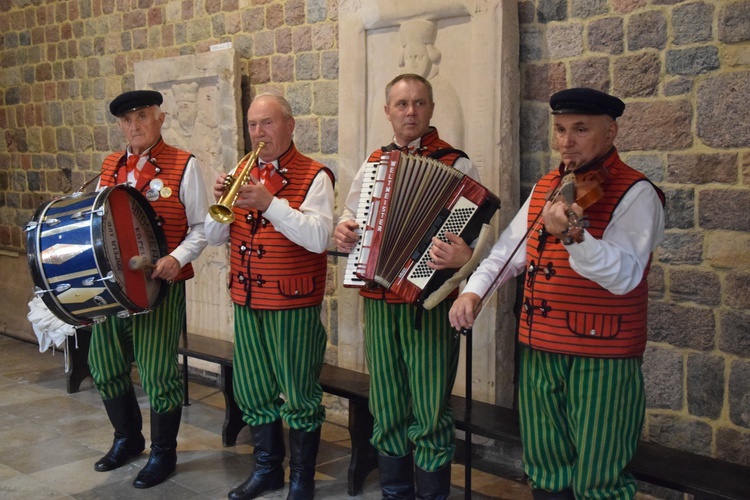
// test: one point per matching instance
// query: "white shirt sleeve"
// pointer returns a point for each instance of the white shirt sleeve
(467, 167)
(217, 233)
(352, 199)
(617, 261)
(193, 197)
(310, 227)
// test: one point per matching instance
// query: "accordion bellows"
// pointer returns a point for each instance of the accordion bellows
(405, 201)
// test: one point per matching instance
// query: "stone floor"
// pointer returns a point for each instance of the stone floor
(49, 441)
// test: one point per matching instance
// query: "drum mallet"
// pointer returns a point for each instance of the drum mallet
(137, 262)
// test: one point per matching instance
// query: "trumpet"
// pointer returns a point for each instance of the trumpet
(222, 210)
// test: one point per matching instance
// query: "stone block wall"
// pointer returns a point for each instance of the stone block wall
(682, 67)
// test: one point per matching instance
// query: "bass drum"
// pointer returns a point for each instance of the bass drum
(79, 247)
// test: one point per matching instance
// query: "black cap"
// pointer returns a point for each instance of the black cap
(584, 101)
(135, 99)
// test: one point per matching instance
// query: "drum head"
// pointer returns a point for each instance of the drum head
(127, 227)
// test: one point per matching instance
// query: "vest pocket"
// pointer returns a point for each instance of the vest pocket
(297, 287)
(594, 325)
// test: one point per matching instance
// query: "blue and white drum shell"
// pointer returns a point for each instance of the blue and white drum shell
(79, 247)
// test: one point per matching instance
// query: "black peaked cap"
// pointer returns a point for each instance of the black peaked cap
(135, 99)
(585, 101)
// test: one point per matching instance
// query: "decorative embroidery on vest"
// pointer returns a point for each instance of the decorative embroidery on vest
(566, 313)
(267, 270)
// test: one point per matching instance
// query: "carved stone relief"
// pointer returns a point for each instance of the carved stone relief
(202, 103)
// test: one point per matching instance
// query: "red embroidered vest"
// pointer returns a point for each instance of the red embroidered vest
(267, 270)
(429, 144)
(168, 164)
(562, 311)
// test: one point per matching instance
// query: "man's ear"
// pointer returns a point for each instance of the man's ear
(612, 131)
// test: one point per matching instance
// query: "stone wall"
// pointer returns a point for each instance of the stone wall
(683, 68)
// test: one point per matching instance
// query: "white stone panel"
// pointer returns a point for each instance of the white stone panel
(204, 116)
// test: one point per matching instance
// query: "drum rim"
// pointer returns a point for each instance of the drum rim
(39, 277)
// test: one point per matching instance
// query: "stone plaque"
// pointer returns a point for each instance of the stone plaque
(202, 103)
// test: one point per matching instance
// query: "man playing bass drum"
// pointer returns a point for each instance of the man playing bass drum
(172, 183)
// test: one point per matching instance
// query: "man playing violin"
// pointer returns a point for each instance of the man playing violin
(582, 329)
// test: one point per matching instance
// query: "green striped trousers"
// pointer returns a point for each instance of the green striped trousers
(151, 341)
(581, 419)
(275, 353)
(411, 378)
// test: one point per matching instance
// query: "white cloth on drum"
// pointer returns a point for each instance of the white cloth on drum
(49, 329)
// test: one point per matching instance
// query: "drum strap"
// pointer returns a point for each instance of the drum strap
(85, 184)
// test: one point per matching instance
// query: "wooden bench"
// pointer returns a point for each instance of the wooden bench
(704, 477)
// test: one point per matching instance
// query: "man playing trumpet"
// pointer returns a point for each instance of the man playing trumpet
(278, 239)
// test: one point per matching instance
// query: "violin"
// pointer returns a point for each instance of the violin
(581, 185)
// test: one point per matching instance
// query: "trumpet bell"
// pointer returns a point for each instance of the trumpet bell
(221, 213)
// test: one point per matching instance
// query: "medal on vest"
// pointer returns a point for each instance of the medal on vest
(165, 192)
(152, 194)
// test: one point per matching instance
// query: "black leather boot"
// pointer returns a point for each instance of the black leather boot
(396, 477)
(566, 494)
(434, 485)
(269, 452)
(163, 459)
(303, 448)
(125, 415)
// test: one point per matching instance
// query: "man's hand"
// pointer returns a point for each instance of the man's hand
(449, 255)
(345, 237)
(461, 314)
(555, 217)
(254, 196)
(167, 268)
(219, 186)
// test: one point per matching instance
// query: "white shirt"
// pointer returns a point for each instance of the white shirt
(616, 262)
(309, 227)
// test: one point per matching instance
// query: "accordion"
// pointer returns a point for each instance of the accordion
(405, 201)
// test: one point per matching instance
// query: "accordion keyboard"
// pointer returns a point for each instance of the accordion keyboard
(363, 214)
(459, 217)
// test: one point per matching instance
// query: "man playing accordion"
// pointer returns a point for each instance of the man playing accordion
(412, 368)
